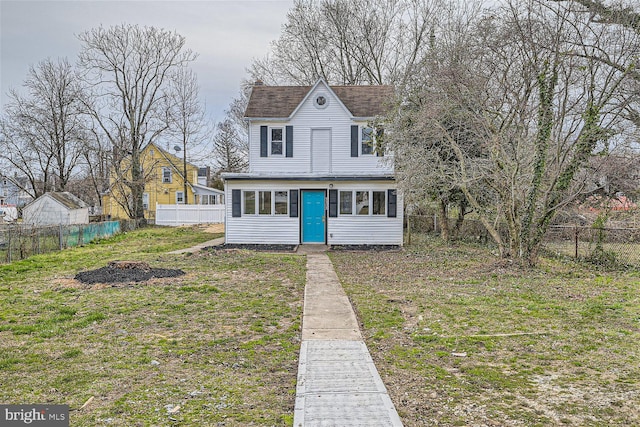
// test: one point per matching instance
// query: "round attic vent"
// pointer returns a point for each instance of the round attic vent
(321, 101)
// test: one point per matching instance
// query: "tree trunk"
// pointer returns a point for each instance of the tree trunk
(444, 222)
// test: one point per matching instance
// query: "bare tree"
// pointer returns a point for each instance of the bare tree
(129, 69)
(512, 111)
(230, 138)
(42, 132)
(350, 42)
(228, 148)
(186, 115)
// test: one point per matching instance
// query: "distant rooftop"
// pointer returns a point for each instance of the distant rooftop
(68, 200)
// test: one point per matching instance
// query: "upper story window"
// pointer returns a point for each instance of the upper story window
(276, 141)
(367, 140)
(166, 175)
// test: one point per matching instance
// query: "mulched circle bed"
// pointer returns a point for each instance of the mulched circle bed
(125, 272)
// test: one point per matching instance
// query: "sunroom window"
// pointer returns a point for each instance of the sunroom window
(264, 203)
(281, 202)
(362, 202)
(346, 202)
(379, 205)
(249, 202)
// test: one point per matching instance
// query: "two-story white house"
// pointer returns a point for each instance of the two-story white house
(317, 169)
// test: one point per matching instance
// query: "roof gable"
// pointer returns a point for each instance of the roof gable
(64, 198)
(281, 102)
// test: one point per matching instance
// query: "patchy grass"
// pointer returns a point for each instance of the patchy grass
(220, 342)
(463, 338)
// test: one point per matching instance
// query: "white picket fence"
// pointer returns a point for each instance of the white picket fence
(175, 215)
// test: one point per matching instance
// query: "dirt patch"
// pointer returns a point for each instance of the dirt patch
(212, 228)
(126, 272)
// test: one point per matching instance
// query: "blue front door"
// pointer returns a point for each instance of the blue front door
(313, 221)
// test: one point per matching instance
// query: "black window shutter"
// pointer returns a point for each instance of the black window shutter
(263, 141)
(293, 203)
(236, 209)
(289, 141)
(380, 145)
(392, 203)
(333, 203)
(354, 140)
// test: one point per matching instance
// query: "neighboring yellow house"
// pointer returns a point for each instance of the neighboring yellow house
(164, 184)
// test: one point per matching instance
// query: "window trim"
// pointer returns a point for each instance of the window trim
(286, 202)
(272, 204)
(282, 141)
(262, 206)
(340, 213)
(383, 205)
(177, 201)
(362, 141)
(244, 202)
(170, 178)
(383, 208)
(356, 211)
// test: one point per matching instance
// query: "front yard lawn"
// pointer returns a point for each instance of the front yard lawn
(217, 346)
(461, 337)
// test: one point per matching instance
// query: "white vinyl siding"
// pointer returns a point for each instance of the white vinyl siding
(343, 230)
(338, 154)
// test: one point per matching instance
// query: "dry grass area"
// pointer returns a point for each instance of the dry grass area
(215, 347)
(462, 338)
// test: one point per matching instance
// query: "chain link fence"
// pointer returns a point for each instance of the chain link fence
(18, 241)
(600, 245)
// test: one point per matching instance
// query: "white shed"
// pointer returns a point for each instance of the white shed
(56, 208)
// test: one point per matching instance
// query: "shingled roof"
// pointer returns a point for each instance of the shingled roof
(281, 101)
(68, 200)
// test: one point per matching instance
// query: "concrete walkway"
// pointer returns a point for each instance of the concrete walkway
(338, 384)
(196, 248)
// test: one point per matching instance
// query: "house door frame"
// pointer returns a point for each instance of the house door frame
(313, 221)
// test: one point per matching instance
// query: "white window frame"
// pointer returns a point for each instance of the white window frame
(170, 177)
(271, 129)
(340, 202)
(355, 201)
(383, 205)
(256, 203)
(286, 202)
(362, 141)
(145, 201)
(270, 205)
(244, 202)
(178, 202)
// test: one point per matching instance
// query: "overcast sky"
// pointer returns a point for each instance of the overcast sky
(227, 35)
